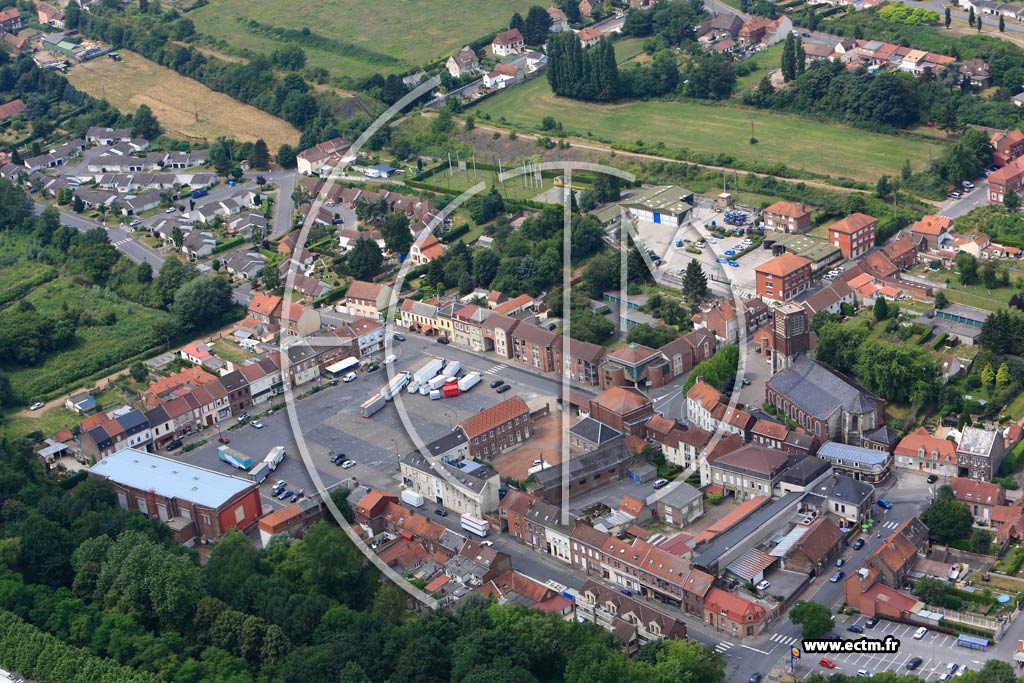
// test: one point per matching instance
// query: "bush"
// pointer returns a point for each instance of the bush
(455, 233)
(937, 344)
(715, 498)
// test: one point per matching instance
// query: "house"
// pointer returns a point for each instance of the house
(18, 44)
(589, 434)
(977, 71)
(854, 235)
(367, 299)
(81, 403)
(815, 550)
(634, 622)
(462, 63)
(114, 432)
(198, 505)
(589, 36)
(426, 249)
(929, 230)
(862, 464)
(588, 6)
(678, 504)
(1008, 178)
(1007, 145)
(534, 346)
(823, 403)
(683, 447)
(244, 265)
(625, 410)
(896, 555)
(11, 21)
(919, 451)
(980, 453)
(323, 156)
(49, 15)
(733, 614)
(463, 486)
(749, 472)
(704, 408)
(783, 277)
(559, 22)
(726, 24)
(12, 108)
(198, 244)
(787, 217)
(108, 136)
(587, 472)
(830, 298)
(503, 75)
(980, 496)
(496, 429)
(534, 522)
(902, 252)
(846, 498)
(583, 362)
(507, 43)
(753, 30)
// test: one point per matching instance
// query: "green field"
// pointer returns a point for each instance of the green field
(782, 138)
(765, 62)
(413, 32)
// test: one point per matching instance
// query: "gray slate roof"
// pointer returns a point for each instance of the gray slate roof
(818, 390)
(593, 431)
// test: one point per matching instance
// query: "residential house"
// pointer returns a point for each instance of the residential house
(897, 554)
(589, 434)
(726, 24)
(902, 252)
(587, 6)
(426, 249)
(559, 22)
(463, 486)
(634, 622)
(750, 471)
(733, 614)
(980, 496)
(854, 235)
(830, 298)
(503, 74)
(534, 346)
(683, 447)
(535, 523)
(919, 451)
(587, 472)
(367, 299)
(244, 265)
(980, 453)
(785, 216)
(496, 429)
(12, 108)
(928, 231)
(11, 21)
(705, 409)
(1008, 178)
(323, 156)
(846, 498)
(783, 277)
(114, 432)
(583, 362)
(815, 550)
(462, 63)
(589, 36)
(977, 71)
(753, 30)
(507, 43)
(824, 403)
(1007, 145)
(678, 504)
(49, 15)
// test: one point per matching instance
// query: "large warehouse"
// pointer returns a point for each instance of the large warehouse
(665, 205)
(196, 503)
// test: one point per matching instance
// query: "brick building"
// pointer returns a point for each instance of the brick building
(787, 217)
(783, 277)
(498, 428)
(624, 410)
(854, 235)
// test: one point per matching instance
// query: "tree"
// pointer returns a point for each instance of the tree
(177, 237)
(536, 26)
(970, 16)
(988, 375)
(839, 345)
(397, 236)
(948, 519)
(1011, 201)
(1002, 24)
(77, 205)
(139, 372)
(365, 260)
(201, 302)
(940, 300)
(967, 266)
(286, 156)
(977, 23)
(881, 309)
(949, 18)
(788, 59)
(1003, 376)
(906, 171)
(980, 541)
(883, 188)
(695, 282)
(260, 157)
(931, 591)
(516, 22)
(144, 123)
(816, 619)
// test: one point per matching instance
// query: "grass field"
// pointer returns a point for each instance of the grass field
(176, 99)
(47, 422)
(783, 138)
(765, 62)
(412, 32)
(515, 188)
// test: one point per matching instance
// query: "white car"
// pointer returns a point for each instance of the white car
(257, 424)
(763, 585)
(37, 405)
(348, 464)
(348, 377)
(170, 209)
(920, 633)
(390, 359)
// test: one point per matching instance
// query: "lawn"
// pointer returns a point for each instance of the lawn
(520, 187)
(971, 295)
(783, 138)
(48, 422)
(764, 62)
(366, 34)
(185, 108)
(628, 48)
(99, 348)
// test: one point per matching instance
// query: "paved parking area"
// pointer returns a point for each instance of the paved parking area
(936, 649)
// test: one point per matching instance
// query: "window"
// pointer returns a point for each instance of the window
(142, 505)
(239, 514)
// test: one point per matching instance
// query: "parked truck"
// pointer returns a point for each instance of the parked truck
(451, 390)
(274, 457)
(395, 386)
(437, 383)
(372, 405)
(452, 369)
(234, 458)
(428, 371)
(412, 498)
(259, 473)
(196, 194)
(469, 381)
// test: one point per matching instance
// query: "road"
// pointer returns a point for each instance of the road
(977, 197)
(284, 208)
(121, 238)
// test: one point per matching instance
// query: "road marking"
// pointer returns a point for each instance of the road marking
(890, 525)
(780, 638)
(496, 369)
(755, 649)
(723, 647)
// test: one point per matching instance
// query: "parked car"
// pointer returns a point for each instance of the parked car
(840, 562)
(442, 340)
(441, 512)
(660, 483)
(734, 264)
(372, 367)
(37, 405)
(337, 457)
(954, 195)
(348, 464)
(174, 445)
(503, 388)
(745, 382)
(837, 576)
(967, 185)
(243, 417)
(224, 440)
(920, 633)
(913, 663)
(883, 503)
(497, 383)
(863, 673)
(827, 663)
(285, 493)
(855, 628)
(871, 623)
(756, 678)
(390, 359)
(348, 377)
(932, 478)
(763, 586)
(257, 424)
(858, 544)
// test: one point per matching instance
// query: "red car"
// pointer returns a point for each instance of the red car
(827, 663)
(224, 440)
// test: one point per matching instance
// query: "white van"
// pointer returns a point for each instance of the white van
(390, 359)
(436, 395)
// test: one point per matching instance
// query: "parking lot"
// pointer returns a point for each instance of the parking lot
(936, 650)
(330, 422)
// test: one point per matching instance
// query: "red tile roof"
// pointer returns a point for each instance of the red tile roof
(788, 209)
(853, 223)
(12, 108)
(621, 400)
(736, 608)
(783, 265)
(496, 415)
(932, 225)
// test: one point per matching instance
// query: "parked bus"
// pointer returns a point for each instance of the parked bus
(475, 525)
(341, 367)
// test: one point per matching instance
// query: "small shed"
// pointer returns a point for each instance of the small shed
(643, 472)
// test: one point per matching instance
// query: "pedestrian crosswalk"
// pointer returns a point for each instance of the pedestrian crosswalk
(890, 525)
(784, 639)
(496, 369)
(723, 647)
